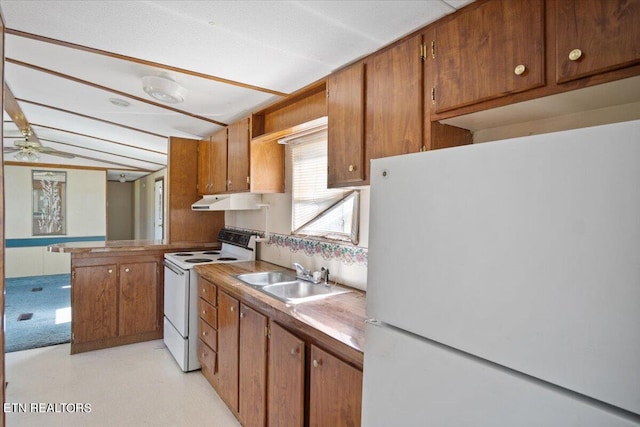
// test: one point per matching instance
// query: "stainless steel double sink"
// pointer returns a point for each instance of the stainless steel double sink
(286, 287)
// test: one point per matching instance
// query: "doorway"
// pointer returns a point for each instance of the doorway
(158, 209)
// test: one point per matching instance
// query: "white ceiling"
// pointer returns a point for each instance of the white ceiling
(232, 57)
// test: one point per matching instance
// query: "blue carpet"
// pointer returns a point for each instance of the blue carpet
(49, 305)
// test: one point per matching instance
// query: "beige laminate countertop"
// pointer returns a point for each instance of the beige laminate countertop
(126, 245)
(336, 323)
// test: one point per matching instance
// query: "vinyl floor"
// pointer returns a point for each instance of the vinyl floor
(133, 385)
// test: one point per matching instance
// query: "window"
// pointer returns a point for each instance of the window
(318, 210)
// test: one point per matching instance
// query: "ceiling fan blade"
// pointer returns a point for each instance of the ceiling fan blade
(53, 152)
(11, 150)
(14, 111)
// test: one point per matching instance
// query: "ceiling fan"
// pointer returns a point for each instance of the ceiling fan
(27, 149)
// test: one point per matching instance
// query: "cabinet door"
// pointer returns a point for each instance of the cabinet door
(394, 100)
(345, 109)
(219, 162)
(489, 51)
(238, 156)
(286, 378)
(228, 330)
(94, 303)
(594, 36)
(138, 297)
(204, 167)
(335, 391)
(253, 368)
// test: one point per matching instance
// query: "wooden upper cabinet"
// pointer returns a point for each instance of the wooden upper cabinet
(488, 51)
(238, 156)
(253, 368)
(595, 36)
(219, 162)
(286, 378)
(345, 110)
(335, 391)
(204, 167)
(394, 100)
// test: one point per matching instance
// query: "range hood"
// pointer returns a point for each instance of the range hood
(228, 202)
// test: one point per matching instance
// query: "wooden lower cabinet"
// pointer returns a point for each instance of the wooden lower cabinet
(335, 391)
(208, 330)
(228, 330)
(285, 390)
(252, 400)
(115, 300)
(95, 303)
(138, 297)
(266, 375)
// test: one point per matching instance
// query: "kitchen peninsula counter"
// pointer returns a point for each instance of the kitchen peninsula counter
(117, 290)
(127, 245)
(336, 322)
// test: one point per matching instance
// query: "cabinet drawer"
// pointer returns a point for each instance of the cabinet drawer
(209, 335)
(208, 291)
(207, 357)
(208, 313)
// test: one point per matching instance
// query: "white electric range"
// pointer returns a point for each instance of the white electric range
(181, 291)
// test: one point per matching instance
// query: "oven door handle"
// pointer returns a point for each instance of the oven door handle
(173, 268)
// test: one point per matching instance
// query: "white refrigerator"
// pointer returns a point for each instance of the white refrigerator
(504, 283)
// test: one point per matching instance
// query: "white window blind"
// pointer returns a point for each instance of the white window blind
(317, 210)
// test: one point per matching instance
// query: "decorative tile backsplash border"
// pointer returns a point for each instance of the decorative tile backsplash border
(328, 250)
(350, 255)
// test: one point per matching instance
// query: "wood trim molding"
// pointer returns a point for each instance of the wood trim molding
(112, 90)
(95, 137)
(90, 117)
(141, 61)
(101, 151)
(58, 166)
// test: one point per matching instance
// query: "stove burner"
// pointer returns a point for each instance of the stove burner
(227, 258)
(211, 253)
(183, 254)
(197, 260)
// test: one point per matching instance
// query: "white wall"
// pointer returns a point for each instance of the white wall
(143, 204)
(86, 216)
(347, 263)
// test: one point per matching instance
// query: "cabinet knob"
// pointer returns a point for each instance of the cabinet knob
(519, 70)
(295, 351)
(110, 271)
(204, 333)
(232, 308)
(204, 311)
(241, 313)
(204, 290)
(575, 54)
(351, 168)
(317, 363)
(126, 270)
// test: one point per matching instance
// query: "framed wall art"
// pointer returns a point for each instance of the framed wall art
(49, 202)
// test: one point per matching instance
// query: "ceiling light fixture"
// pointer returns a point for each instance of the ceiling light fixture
(122, 178)
(163, 89)
(119, 102)
(26, 155)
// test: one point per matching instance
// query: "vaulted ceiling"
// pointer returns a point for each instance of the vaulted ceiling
(75, 69)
